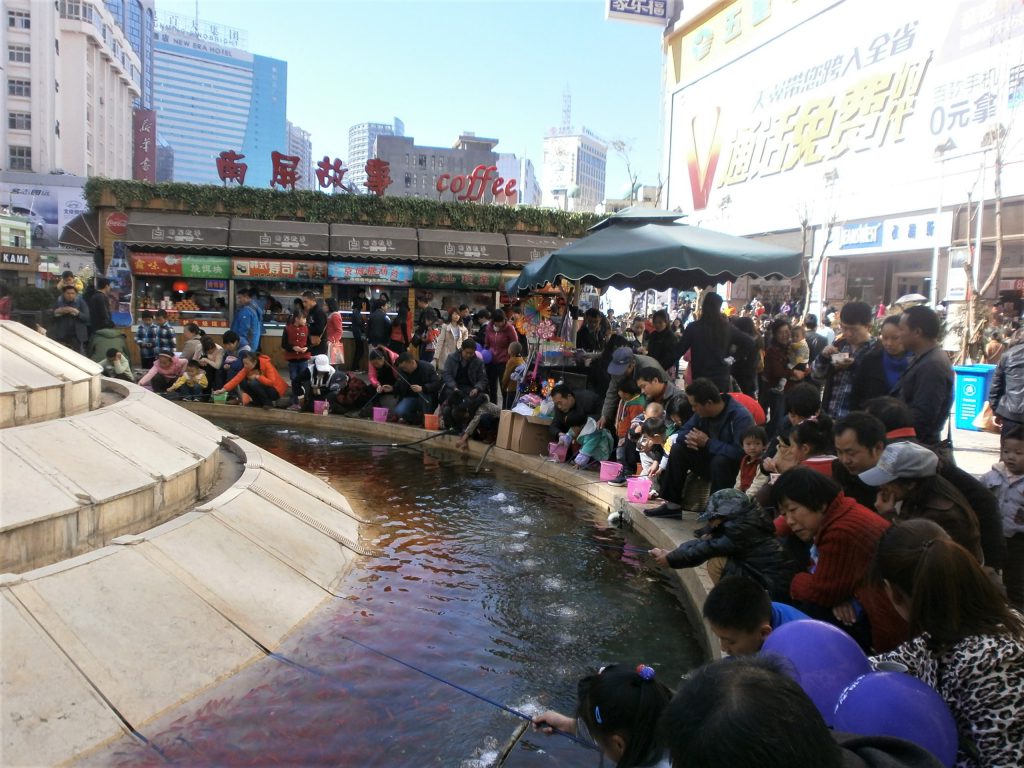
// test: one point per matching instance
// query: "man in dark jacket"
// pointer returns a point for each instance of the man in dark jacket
(416, 389)
(654, 383)
(357, 324)
(815, 341)
(1007, 394)
(319, 381)
(740, 531)
(99, 307)
(589, 337)
(465, 372)
(71, 327)
(710, 445)
(378, 326)
(316, 322)
(571, 403)
(927, 384)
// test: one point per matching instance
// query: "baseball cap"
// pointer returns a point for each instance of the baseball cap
(621, 358)
(725, 503)
(901, 460)
(323, 364)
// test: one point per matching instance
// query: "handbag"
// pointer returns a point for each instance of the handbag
(336, 352)
(985, 421)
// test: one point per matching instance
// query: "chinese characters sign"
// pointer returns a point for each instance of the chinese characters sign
(171, 265)
(459, 279)
(643, 11)
(278, 269)
(286, 172)
(369, 274)
(144, 144)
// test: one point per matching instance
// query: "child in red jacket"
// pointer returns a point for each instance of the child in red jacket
(295, 342)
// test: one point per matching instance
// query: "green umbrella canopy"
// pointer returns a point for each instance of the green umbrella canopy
(647, 248)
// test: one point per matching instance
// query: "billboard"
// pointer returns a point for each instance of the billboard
(844, 109)
(48, 207)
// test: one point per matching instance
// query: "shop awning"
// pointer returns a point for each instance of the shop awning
(354, 241)
(83, 232)
(300, 237)
(441, 246)
(523, 249)
(177, 231)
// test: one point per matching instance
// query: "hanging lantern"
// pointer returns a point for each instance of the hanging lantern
(179, 286)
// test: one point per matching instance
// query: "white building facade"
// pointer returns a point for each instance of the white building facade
(71, 78)
(362, 142)
(573, 175)
(301, 146)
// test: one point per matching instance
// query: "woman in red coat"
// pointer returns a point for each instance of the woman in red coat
(843, 536)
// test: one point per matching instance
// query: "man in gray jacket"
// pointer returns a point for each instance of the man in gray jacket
(927, 384)
(624, 365)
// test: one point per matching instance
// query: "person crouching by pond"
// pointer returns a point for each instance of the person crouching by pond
(258, 381)
(164, 373)
(618, 710)
(843, 536)
(741, 614)
(383, 375)
(417, 388)
(738, 540)
(967, 643)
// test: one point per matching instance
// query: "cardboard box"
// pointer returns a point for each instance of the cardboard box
(504, 430)
(530, 435)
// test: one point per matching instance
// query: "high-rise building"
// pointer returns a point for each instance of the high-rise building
(416, 170)
(529, 187)
(362, 140)
(137, 19)
(574, 170)
(212, 98)
(300, 145)
(71, 79)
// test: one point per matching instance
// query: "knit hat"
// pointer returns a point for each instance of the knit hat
(725, 503)
(901, 460)
(621, 358)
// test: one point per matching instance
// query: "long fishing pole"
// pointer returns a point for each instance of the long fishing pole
(398, 373)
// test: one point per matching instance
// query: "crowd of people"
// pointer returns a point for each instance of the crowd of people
(832, 489)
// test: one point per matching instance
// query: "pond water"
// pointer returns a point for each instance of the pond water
(493, 581)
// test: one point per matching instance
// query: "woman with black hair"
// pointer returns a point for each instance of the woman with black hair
(843, 535)
(618, 709)
(709, 341)
(744, 367)
(663, 344)
(967, 643)
(777, 378)
(809, 444)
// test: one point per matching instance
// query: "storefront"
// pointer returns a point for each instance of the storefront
(18, 266)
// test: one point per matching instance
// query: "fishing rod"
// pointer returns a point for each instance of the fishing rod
(398, 373)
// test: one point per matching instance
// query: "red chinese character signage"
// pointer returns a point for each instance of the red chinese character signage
(286, 170)
(156, 264)
(475, 185)
(144, 140)
(378, 177)
(230, 169)
(329, 174)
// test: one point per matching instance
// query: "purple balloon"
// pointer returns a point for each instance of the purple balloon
(900, 705)
(487, 356)
(823, 658)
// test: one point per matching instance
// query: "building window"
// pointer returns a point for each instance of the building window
(19, 20)
(19, 121)
(56, 46)
(20, 54)
(20, 158)
(422, 161)
(19, 87)
(408, 180)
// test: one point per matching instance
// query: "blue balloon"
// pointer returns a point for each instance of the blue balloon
(487, 356)
(900, 705)
(823, 659)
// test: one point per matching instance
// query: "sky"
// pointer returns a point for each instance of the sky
(498, 68)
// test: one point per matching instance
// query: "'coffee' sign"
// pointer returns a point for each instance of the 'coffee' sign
(473, 186)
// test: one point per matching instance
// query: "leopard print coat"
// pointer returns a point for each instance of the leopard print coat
(981, 678)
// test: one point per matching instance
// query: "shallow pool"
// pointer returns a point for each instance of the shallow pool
(492, 581)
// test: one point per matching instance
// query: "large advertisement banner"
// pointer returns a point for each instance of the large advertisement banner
(47, 207)
(866, 107)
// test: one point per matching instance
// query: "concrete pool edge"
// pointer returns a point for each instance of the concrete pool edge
(91, 651)
(695, 583)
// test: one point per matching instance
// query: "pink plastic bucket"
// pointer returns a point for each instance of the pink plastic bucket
(558, 451)
(638, 489)
(380, 414)
(320, 407)
(609, 470)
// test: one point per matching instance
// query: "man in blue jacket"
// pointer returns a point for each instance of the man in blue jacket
(247, 323)
(710, 445)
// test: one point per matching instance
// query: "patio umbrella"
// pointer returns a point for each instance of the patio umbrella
(647, 248)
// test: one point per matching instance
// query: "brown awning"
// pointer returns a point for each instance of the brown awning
(522, 249)
(279, 236)
(177, 230)
(448, 246)
(81, 232)
(354, 241)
